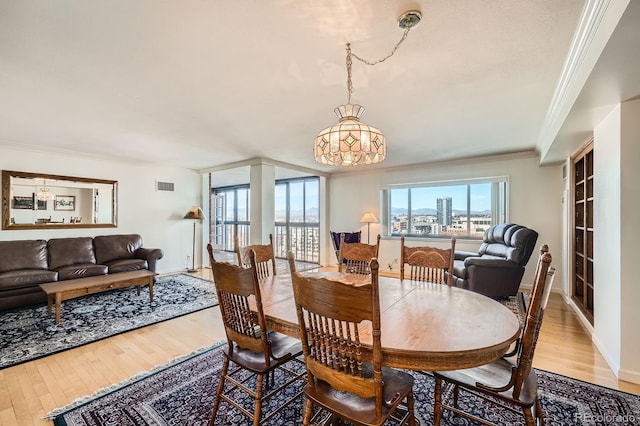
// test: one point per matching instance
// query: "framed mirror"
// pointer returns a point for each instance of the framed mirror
(41, 201)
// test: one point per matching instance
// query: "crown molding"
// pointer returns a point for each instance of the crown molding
(263, 161)
(597, 22)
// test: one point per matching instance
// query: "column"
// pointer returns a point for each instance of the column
(262, 210)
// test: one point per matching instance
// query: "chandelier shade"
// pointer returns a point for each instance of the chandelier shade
(44, 194)
(350, 142)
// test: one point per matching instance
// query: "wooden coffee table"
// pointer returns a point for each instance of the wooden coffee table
(70, 289)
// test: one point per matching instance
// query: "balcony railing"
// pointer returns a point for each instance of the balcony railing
(303, 240)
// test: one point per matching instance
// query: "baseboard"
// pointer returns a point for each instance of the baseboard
(175, 271)
(583, 320)
(611, 362)
(528, 287)
(629, 376)
(626, 375)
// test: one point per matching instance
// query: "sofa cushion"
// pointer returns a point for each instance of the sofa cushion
(113, 247)
(80, 271)
(26, 278)
(23, 254)
(70, 251)
(124, 265)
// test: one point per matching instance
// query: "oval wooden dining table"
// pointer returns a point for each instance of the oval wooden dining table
(424, 326)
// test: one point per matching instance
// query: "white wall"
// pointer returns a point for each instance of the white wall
(606, 238)
(616, 290)
(629, 208)
(156, 215)
(535, 200)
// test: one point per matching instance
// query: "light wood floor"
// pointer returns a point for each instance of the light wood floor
(28, 391)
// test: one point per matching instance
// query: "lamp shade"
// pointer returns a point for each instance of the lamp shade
(195, 212)
(350, 142)
(369, 217)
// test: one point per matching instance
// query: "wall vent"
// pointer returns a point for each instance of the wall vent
(164, 186)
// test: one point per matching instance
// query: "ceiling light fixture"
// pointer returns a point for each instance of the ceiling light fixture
(351, 142)
(44, 194)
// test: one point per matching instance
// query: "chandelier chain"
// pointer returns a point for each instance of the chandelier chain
(349, 83)
(351, 55)
(390, 54)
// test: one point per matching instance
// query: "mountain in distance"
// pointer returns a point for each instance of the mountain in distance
(396, 210)
(313, 212)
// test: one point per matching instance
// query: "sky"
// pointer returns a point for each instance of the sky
(426, 197)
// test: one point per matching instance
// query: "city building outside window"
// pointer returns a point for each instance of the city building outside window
(231, 206)
(464, 209)
(297, 217)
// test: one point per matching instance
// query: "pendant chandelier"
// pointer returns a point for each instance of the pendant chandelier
(351, 142)
(44, 194)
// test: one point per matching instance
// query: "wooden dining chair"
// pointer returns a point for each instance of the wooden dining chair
(355, 257)
(265, 256)
(349, 237)
(340, 378)
(250, 346)
(506, 382)
(523, 306)
(428, 263)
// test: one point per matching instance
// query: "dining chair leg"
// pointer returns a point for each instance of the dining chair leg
(528, 416)
(257, 410)
(539, 413)
(456, 393)
(437, 406)
(412, 417)
(308, 412)
(216, 404)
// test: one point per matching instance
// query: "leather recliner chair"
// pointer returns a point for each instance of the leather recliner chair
(497, 269)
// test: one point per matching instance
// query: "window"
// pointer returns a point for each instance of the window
(235, 216)
(297, 216)
(444, 209)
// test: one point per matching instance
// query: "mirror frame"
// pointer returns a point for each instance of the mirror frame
(6, 202)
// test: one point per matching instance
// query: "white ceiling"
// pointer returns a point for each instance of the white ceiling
(200, 84)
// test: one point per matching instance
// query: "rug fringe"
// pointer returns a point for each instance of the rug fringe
(138, 376)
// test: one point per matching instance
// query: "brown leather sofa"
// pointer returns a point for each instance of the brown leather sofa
(497, 269)
(26, 263)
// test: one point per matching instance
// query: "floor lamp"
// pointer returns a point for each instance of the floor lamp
(369, 218)
(196, 214)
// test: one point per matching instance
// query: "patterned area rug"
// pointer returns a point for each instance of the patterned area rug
(29, 333)
(518, 305)
(182, 394)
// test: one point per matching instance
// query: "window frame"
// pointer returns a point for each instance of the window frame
(499, 205)
(234, 226)
(285, 229)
